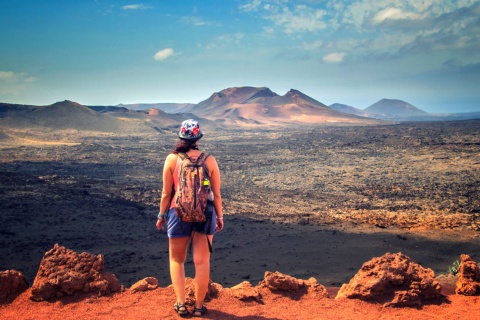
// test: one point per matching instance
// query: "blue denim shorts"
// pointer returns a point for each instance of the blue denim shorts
(177, 228)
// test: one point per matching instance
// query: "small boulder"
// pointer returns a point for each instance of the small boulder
(245, 292)
(12, 284)
(145, 284)
(468, 282)
(394, 280)
(277, 281)
(64, 272)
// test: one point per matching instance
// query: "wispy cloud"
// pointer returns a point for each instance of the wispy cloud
(138, 6)
(251, 6)
(9, 76)
(193, 20)
(299, 19)
(288, 19)
(163, 54)
(310, 46)
(226, 40)
(366, 29)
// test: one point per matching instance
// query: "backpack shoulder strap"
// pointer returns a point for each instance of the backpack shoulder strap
(203, 156)
(183, 155)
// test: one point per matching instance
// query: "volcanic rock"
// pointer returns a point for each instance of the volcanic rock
(468, 277)
(394, 280)
(245, 292)
(64, 272)
(148, 283)
(12, 284)
(276, 281)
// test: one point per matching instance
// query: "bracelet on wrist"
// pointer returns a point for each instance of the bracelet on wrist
(161, 216)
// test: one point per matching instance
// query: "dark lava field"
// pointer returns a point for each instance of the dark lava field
(311, 202)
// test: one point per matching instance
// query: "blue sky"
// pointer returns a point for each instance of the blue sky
(106, 52)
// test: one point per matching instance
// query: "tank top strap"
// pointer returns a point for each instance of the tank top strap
(175, 179)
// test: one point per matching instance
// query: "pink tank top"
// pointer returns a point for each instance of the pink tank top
(175, 180)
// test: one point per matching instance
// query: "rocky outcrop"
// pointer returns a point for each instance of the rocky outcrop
(468, 282)
(394, 280)
(65, 272)
(12, 284)
(148, 283)
(276, 281)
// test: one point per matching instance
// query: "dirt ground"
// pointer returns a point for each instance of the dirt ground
(158, 304)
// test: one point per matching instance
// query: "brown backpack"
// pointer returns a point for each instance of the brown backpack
(193, 188)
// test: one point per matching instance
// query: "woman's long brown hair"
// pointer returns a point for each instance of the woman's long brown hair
(183, 146)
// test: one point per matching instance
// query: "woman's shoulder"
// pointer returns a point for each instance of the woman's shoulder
(172, 157)
(210, 160)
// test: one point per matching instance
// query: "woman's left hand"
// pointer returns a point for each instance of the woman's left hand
(161, 223)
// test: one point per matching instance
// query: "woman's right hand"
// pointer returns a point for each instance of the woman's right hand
(220, 224)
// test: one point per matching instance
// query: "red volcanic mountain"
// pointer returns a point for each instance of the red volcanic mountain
(250, 105)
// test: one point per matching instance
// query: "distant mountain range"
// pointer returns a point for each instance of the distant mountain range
(237, 106)
(398, 110)
(166, 107)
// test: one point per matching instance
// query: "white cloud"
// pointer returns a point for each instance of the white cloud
(394, 14)
(334, 57)
(135, 7)
(163, 54)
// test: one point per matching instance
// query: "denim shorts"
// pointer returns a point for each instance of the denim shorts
(177, 228)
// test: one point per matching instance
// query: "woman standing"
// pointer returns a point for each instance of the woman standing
(180, 232)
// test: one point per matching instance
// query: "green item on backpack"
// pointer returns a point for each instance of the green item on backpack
(193, 189)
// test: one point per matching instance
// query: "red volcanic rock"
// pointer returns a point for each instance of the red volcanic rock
(153, 112)
(65, 272)
(393, 279)
(276, 281)
(468, 282)
(145, 284)
(245, 291)
(12, 284)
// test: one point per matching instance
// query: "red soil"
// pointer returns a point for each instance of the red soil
(157, 304)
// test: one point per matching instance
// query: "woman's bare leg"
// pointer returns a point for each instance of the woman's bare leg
(201, 260)
(178, 255)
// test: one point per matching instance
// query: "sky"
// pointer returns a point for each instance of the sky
(357, 52)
